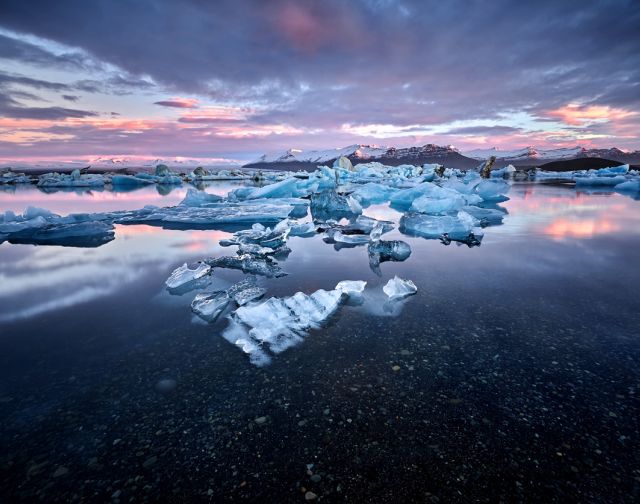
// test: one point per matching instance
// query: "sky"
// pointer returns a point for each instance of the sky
(230, 80)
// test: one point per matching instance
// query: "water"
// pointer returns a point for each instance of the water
(512, 375)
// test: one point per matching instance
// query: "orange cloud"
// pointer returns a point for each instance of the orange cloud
(580, 115)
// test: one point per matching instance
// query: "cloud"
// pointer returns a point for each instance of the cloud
(71, 98)
(178, 103)
(483, 130)
(10, 108)
(403, 71)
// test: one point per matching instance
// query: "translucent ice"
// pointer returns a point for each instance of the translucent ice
(397, 288)
(75, 179)
(184, 275)
(264, 266)
(209, 305)
(330, 205)
(459, 227)
(279, 323)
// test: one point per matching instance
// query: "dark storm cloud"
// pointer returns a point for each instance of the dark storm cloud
(7, 79)
(469, 57)
(11, 108)
(15, 49)
(322, 65)
(176, 103)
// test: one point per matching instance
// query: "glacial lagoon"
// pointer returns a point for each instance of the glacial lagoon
(511, 373)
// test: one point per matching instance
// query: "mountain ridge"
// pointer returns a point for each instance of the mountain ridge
(431, 153)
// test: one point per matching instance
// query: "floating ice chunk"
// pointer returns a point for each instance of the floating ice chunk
(38, 226)
(486, 216)
(373, 193)
(249, 294)
(505, 172)
(209, 305)
(397, 288)
(365, 225)
(335, 235)
(629, 186)
(131, 181)
(611, 170)
(264, 266)
(461, 227)
(598, 181)
(211, 215)
(279, 323)
(343, 163)
(75, 179)
(290, 187)
(351, 287)
(184, 275)
(303, 230)
(9, 177)
(381, 251)
(195, 198)
(405, 198)
(329, 204)
(430, 205)
(492, 190)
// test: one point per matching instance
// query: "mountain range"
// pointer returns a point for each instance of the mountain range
(296, 159)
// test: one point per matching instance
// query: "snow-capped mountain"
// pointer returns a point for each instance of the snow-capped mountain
(534, 154)
(526, 153)
(322, 156)
(117, 163)
(429, 153)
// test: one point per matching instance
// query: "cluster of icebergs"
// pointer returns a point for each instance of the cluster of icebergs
(450, 206)
(162, 176)
(617, 178)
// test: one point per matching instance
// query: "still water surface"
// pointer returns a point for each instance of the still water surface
(511, 375)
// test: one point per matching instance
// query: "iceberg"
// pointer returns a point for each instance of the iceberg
(196, 198)
(381, 251)
(372, 193)
(629, 186)
(37, 226)
(183, 275)
(397, 288)
(9, 177)
(328, 204)
(599, 181)
(462, 227)
(492, 190)
(75, 179)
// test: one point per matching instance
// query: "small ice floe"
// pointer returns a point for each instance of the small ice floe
(276, 324)
(195, 198)
(209, 305)
(264, 266)
(397, 288)
(183, 275)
